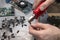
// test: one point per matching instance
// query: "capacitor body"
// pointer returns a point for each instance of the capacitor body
(38, 11)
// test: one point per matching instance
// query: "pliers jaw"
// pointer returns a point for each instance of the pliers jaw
(31, 19)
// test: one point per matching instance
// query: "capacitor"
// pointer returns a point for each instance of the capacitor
(23, 4)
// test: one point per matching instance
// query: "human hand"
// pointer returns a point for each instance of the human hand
(44, 31)
(44, 5)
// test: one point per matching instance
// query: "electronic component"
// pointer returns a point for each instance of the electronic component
(12, 35)
(4, 35)
(18, 31)
(8, 37)
(0, 28)
(22, 20)
(10, 29)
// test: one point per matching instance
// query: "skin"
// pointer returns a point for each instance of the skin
(44, 5)
(44, 31)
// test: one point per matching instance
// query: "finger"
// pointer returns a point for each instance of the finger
(46, 4)
(34, 5)
(33, 31)
(50, 1)
(40, 25)
(36, 2)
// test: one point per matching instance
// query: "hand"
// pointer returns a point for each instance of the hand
(44, 31)
(44, 5)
